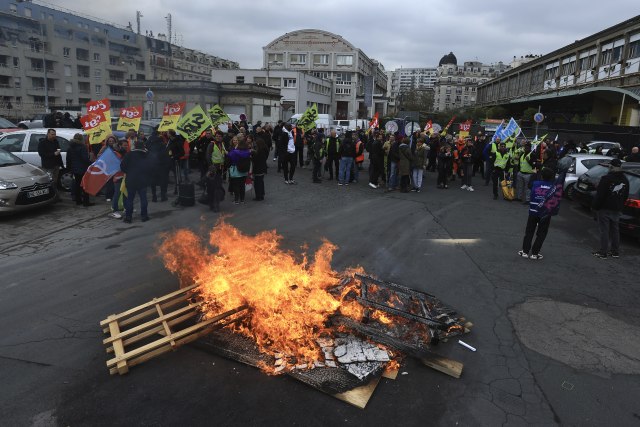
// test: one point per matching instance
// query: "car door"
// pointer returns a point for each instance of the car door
(34, 140)
(14, 143)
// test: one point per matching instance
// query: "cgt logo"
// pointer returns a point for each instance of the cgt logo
(98, 106)
(172, 110)
(92, 123)
(130, 114)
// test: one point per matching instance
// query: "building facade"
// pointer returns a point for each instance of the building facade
(456, 85)
(596, 79)
(299, 90)
(55, 58)
(330, 57)
(405, 79)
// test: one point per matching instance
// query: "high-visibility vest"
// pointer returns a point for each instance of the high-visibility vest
(501, 160)
(525, 166)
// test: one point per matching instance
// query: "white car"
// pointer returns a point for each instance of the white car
(580, 163)
(24, 144)
(606, 146)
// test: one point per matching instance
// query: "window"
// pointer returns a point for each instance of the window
(97, 74)
(266, 111)
(634, 50)
(12, 143)
(16, 62)
(606, 57)
(262, 81)
(344, 59)
(68, 88)
(298, 58)
(98, 89)
(17, 82)
(240, 79)
(96, 57)
(67, 70)
(617, 54)
(448, 79)
(13, 8)
(27, 12)
(343, 78)
(290, 83)
(66, 52)
(321, 59)
(587, 62)
(275, 58)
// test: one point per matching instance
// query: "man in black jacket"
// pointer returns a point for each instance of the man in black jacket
(160, 165)
(136, 167)
(50, 156)
(332, 151)
(316, 148)
(376, 160)
(200, 148)
(612, 193)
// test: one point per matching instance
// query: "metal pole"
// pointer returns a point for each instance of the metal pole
(537, 124)
(44, 64)
(621, 109)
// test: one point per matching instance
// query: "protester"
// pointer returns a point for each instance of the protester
(467, 158)
(347, 154)
(298, 139)
(524, 174)
(541, 209)
(137, 168)
(634, 156)
(393, 158)
(500, 164)
(259, 158)
(332, 151)
(376, 160)
(404, 165)
(359, 158)
(51, 156)
(239, 166)
(200, 149)
(611, 195)
(160, 161)
(317, 153)
(288, 154)
(78, 162)
(445, 162)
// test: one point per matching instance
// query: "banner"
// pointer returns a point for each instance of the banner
(171, 116)
(446, 128)
(217, 115)
(465, 128)
(130, 118)
(368, 91)
(100, 172)
(498, 132)
(102, 106)
(505, 132)
(96, 126)
(193, 124)
(308, 119)
(429, 127)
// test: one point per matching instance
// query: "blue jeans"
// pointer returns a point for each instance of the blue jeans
(393, 175)
(142, 192)
(116, 196)
(344, 175)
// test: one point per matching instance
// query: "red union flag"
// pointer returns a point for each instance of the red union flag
(130, 118)
(96, 126)
(100, 172)
(464, 129)
(171, 116)
(428, 127)
(102, 106)
(374, 122)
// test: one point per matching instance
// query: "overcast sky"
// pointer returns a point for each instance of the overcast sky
(410, 33)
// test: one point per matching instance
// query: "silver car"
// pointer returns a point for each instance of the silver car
(23, 186)
(24, 144)
(605, 145)
(580, 163)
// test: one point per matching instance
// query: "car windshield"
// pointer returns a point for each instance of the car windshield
(8, 159)
(6, 124)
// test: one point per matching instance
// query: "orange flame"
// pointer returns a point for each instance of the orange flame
(288, 299)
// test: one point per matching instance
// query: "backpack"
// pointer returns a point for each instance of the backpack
(244, 164)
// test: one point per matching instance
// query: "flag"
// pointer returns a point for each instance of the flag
(171, 116)
(193, 124)
(100, 172)
(308, 119)
(429, 127)
(96, 126)
(465, 128)
(446, 128)
(217, 116)
(102, 106)
(498, 132)
(374, 122)
(130, 118)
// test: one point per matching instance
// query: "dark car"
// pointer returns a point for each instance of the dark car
(585, 191)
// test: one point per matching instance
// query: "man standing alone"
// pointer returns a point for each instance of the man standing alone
(612, 193)
(50, 156)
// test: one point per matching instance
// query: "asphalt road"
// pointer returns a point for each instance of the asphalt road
(558, 340)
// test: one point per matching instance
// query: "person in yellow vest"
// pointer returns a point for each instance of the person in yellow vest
(500, 160)
(525, 171)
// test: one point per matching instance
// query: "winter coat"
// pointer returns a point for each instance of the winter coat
(612, 192)
(137, 166)
(259, 158)
(47, 151)
(348, 148)
(419, 157)
(467, 155)
(406, 158)
(158, 154)
(235, 156)
(77, 157)
(376, 153)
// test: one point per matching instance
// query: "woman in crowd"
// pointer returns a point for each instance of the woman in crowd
(78, 162)
(239, 165)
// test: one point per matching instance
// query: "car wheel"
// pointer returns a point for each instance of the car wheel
(569, 191)
(65, 180)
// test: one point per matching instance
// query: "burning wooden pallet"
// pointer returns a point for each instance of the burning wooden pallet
(158, 326)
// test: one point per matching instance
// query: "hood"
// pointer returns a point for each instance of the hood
(10, 173)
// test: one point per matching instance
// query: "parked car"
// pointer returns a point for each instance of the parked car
(580, 163)
(23, 186)
(7, 126)
(24, 144)
(147, 126)
(585, 191)
(35, 122)
(606, 146)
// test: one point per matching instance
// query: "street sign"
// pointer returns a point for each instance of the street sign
(149, 95)
(538, 117)
(391, 126)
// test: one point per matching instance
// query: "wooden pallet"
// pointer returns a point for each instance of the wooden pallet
(158, 326)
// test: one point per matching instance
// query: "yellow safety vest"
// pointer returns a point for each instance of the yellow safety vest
(501, 160)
